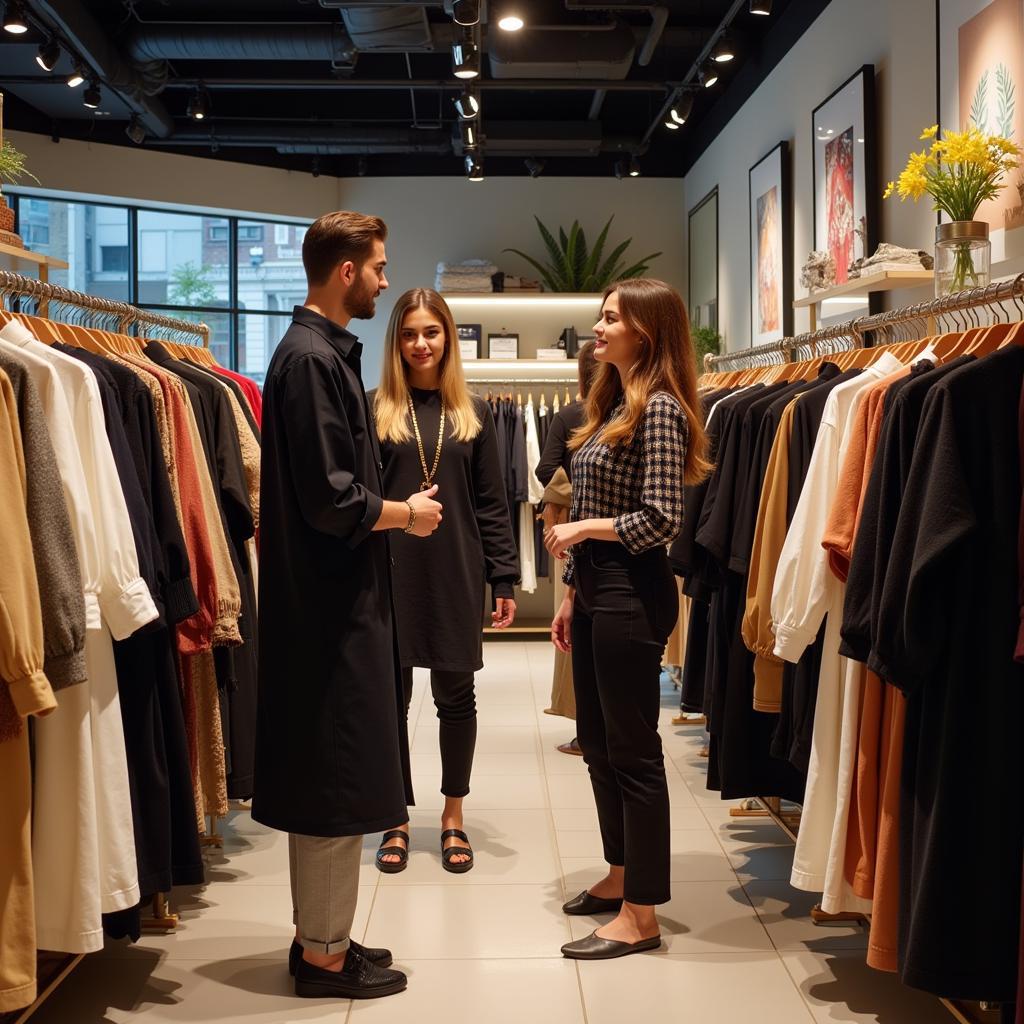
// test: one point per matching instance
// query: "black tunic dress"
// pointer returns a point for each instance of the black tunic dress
(439, 580)
(332, 758)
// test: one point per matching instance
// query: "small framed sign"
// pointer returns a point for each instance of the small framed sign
(503, 346)
(470, 336)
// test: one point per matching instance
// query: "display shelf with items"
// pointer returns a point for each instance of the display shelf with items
(882, 281)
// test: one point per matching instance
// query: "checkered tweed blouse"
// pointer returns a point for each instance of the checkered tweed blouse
(639, 484)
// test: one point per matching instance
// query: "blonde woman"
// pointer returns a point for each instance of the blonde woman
(434, 432)
(642, 440)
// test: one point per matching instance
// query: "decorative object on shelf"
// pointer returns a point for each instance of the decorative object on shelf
(568, 341)
(706, 342)
(470, 338)
(552, 355)
(771, 246)
(819, 271)
(12, 170)
(892, 257)
(467, 276)
(10, 238)
(503, 346)
(960, 171)
(574, 267)
(844, 169)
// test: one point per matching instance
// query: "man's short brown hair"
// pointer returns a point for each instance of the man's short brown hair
(337, 238)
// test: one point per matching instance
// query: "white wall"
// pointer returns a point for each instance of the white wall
(430, 219)
(899, 39)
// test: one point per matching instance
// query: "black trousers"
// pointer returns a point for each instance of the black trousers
(455, 700)
(626, 606)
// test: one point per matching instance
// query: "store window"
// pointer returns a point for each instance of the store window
(81, 234)
(258, 336)
(181, 262)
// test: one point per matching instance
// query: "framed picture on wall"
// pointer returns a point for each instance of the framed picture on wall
(981, 83)
(470, 340)
(771, 248)
(702, 263)
(845, 173)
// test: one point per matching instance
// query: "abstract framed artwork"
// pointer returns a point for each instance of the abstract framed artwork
(771, 247)
(845, 172)
(981, 83)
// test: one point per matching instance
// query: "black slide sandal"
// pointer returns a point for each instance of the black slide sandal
(456, 851)
(402, 853)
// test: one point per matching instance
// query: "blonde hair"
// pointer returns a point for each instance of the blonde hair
(391, 403)
(666, 363)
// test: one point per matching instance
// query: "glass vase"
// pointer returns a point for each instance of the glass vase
(963, 256)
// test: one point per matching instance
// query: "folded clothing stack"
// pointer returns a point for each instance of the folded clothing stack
(467, 276)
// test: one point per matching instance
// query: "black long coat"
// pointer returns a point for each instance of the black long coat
(332, 756)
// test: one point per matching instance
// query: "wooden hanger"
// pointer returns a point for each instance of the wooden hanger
(1014, 336)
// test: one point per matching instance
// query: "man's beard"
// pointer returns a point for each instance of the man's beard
(360, 305)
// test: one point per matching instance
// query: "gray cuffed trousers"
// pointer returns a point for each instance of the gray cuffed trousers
(325, 886)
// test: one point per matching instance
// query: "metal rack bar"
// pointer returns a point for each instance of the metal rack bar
(128, 317)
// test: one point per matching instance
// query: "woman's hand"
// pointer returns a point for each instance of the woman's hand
(558, 539)
(504, 614)
(561, 626)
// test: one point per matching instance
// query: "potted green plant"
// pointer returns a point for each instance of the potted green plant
(573, 267)
(706, 342)
(12, 169)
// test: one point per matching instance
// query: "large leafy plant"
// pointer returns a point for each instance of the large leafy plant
(706, 342)
(12, 165)
(574, 267)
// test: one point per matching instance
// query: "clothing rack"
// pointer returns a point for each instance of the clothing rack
(520, 381)
(907, 323)
(124, 318)
(140, 323)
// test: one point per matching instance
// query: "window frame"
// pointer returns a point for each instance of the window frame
(232, 309)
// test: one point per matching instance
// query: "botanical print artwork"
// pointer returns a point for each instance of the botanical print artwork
(991, 67)
(769, 234)
(839, 200)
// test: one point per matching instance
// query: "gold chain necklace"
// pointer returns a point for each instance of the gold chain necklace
(428, 477)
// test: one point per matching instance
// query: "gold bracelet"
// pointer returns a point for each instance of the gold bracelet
(412, 517)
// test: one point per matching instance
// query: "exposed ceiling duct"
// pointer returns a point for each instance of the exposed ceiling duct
(384, 29)
(601, 53)
(258, 42)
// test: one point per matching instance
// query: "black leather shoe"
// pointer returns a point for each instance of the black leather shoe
(593, 947)
(358, 979)
(380, 957)
(585, 904)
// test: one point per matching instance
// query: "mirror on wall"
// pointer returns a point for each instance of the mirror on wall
(703, 262)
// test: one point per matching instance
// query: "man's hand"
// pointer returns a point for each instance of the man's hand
(428, 512)
(505, 613)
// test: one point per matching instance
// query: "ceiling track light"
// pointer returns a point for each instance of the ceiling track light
(634, 166)
(48, 54)
(199, 105)
(135, 130)
(77, 77)
(466, 58)
(534, 166)
(92, 96)
(467, 105)
(761, 7)
(15, 21)
(623, 167)
(470, 135)
(681, 110)
(723, 51)
(511, 21)
(672, 125)
(466, 12)
(707, 78)
(474, 168)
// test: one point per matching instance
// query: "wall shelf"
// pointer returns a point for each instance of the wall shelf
(882, 281)
(20, 260)
(518, 296)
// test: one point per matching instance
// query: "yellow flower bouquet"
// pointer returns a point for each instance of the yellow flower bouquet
(960, 171)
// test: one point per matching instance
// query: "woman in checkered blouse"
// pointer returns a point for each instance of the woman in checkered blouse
(642, 441)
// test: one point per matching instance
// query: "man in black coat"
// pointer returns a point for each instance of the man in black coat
(332, 758)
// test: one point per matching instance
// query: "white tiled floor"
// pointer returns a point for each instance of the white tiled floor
(739, 945)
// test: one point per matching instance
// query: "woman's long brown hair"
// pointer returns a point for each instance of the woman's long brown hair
(666, 363)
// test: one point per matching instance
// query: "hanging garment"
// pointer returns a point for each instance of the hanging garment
(330, 701)
(534, 496)
(472, 547)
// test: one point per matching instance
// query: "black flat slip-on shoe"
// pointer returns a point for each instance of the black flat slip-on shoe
(380, 957)
(358, 979)
(585, 904)
(447, 856)
(593, 947)
(401, 852)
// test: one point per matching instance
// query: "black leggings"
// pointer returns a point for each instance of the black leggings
(455, 700)
(626, 606)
